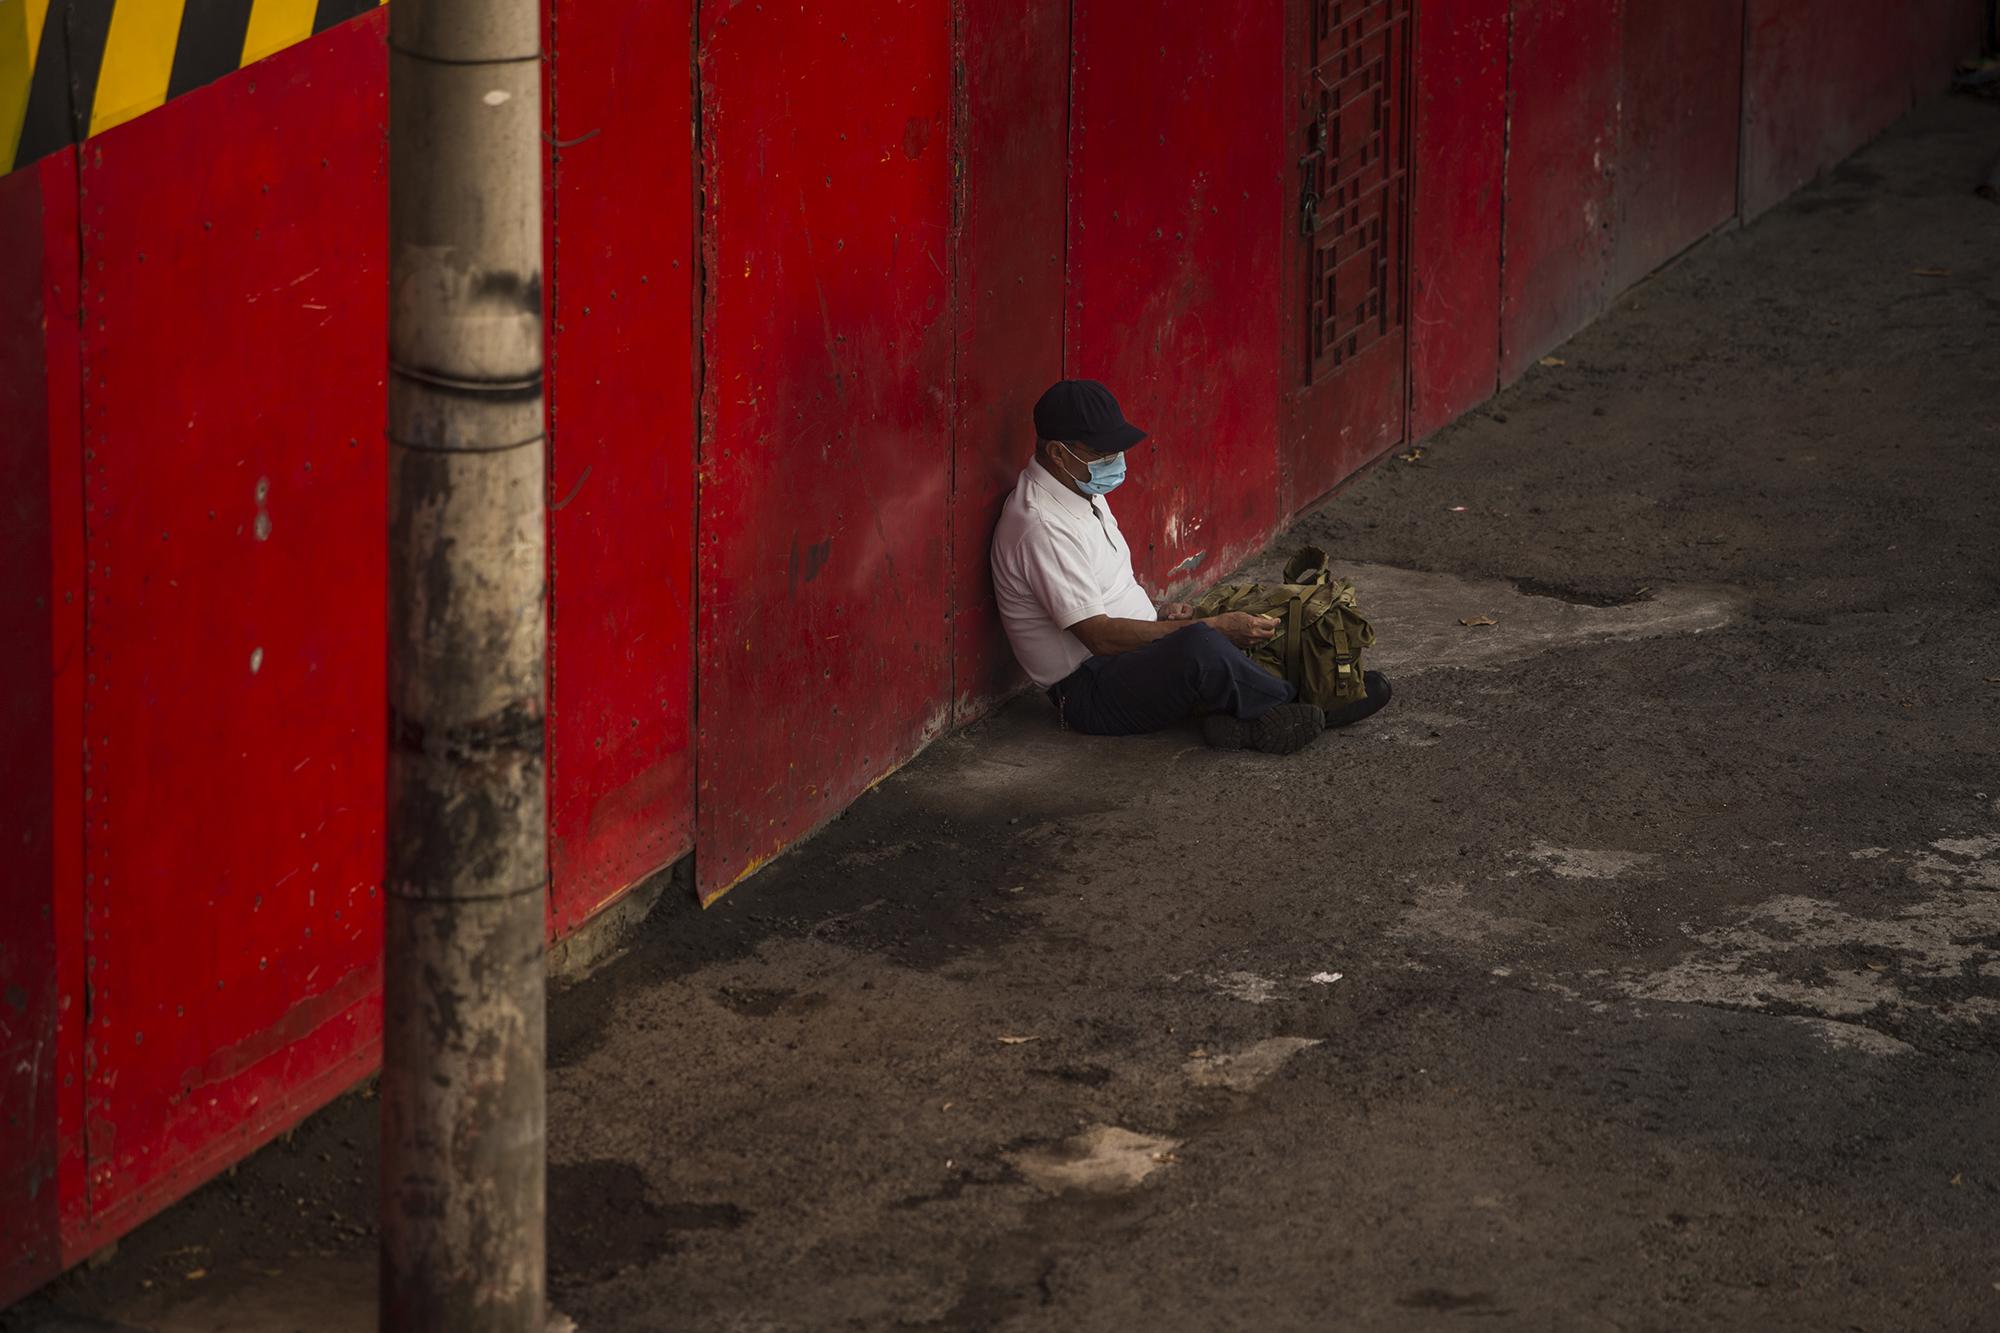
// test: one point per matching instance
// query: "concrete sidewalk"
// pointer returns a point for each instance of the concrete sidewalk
(1639, 969)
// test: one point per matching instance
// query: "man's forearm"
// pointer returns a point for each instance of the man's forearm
(1107, 636)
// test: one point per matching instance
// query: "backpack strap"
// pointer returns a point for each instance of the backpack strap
(1344, 653)
(1295, 643)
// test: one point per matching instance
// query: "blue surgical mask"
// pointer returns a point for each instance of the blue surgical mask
(1106, 474)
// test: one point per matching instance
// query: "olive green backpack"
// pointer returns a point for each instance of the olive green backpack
(1320, 631)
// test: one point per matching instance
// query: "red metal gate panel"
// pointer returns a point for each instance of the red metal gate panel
(826, 449)
(1459, 151)
(1562, 146)
(1817, 85)
(1007, 282)
(1177, 211)
(1679, 120)
(41, 705)
(233, 313)
(621, 402)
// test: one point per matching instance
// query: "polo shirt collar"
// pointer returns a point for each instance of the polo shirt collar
(1075, 505)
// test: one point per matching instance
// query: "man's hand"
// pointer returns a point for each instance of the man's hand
(1177, 611)
(1244, 629)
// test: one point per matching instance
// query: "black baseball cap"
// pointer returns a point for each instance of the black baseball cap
(1084, 412)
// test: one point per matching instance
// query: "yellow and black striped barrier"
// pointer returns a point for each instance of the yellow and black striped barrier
(72, 68)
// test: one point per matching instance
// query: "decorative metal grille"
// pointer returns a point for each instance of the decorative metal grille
(1355, 192)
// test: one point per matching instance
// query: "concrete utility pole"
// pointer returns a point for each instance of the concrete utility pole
(463, 1175)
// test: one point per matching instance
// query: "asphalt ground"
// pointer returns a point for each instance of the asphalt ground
(1638, 969)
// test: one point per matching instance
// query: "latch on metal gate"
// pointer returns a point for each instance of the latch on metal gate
(1309, 164)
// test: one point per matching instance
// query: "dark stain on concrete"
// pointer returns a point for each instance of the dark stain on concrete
(603, 1219)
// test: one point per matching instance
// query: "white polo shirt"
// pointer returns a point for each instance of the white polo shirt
(1058, 559)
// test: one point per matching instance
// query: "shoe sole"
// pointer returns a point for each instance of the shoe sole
(1287, 729)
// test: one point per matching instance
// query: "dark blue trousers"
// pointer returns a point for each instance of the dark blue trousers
(1189, 672)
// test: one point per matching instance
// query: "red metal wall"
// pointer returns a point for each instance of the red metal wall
(233, 497)
(621, 460)
(1009, 124)
(826, 447)
(1176, 169)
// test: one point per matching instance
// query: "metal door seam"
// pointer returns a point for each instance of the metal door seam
(699, 308)
(1506, 186)
(86, 1194)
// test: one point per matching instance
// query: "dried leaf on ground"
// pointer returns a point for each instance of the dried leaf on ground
(1412, 455)
(1554, 361)
(1017, 1041)
(1474, 622)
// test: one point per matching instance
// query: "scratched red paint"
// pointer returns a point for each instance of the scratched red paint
(1562, 144)
(1678, 124)
(40, 622)
(621, 377)
(826, 448)
(1008, 280)
(1176, 177)
(1460, 143)
(235, 695)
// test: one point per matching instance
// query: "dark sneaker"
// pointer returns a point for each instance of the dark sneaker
(1284, 730)
(1379, 693)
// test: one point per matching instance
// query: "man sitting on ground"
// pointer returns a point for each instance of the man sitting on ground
(1086, 631)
